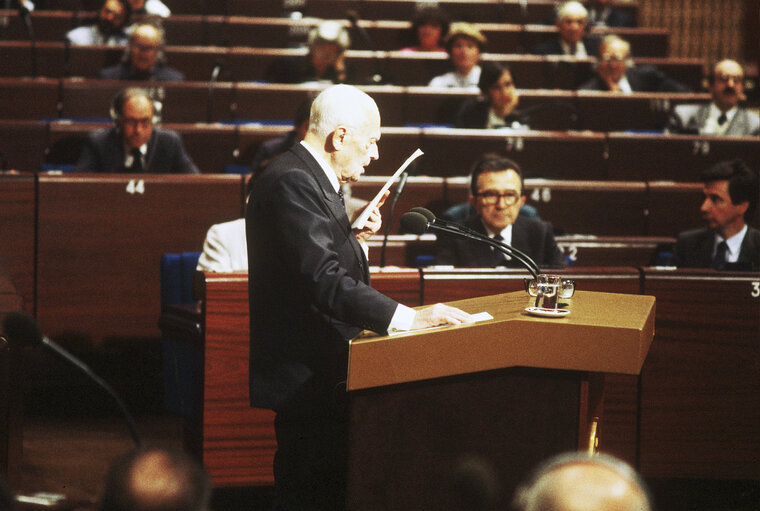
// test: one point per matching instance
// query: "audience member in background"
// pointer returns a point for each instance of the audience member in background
(149, 8)
(430, 26)
(134, 144)
(571, 40)
(495, 107)
(326, 61)
(109, 28)
(156, 480)
(464, 43)
(143, 58)
(731, 193)
(274, 147)
(496, 192)
(723, 115)
(577, 480)
(616, 72)
(225, 248)
(602, 13)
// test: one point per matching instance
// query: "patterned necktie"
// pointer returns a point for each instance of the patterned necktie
(137, 166)
(719, 261)
(342, 199)
(501, 258)
(722, 119)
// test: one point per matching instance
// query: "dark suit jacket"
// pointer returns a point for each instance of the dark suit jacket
(104, 152)
(532, 236)
(689, 119)
(474, 115)
(124, 71)
(308, 286)
(616, 17)
(553, 47)
(642, 79)
(694, 249)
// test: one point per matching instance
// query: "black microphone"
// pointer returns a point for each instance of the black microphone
(521, 256)
(399, 188)
(211, 85)
(417, 223)
(353, 17)
(24, 12)
(22, 330)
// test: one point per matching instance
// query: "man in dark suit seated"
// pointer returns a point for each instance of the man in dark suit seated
(727, 243)
(272, 148)
(310, 294)
(616, 72)
(723, 116)
(134, 144)
(571, 40)
(143, 58)
(496, 192)
(601, 13)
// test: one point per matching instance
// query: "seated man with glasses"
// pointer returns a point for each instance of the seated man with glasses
(722, 116)
(143, 59)
(496, 193)
(134, 144)
(616, 72)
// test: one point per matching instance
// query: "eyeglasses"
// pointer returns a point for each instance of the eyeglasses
(491, 198)
(724, 77)
(614, 58)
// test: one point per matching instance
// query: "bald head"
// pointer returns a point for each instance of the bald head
(579, 482)
(156, 480)
(341, 105)
(344, 128)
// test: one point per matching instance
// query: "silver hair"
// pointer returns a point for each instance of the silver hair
(573, 5)
(340, 105)
(538, 492)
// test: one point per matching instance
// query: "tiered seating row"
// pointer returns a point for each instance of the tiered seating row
(274, 104)
(242, 64)
(388, 35)
(27, 145)
(508, 11)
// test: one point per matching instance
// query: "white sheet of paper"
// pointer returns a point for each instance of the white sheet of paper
(478, 316)
(362, 220)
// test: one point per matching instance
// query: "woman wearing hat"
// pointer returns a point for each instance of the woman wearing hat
(464, 44)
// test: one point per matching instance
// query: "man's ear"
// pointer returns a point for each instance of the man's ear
(338, 138)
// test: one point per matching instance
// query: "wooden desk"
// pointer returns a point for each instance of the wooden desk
(17, 222)
(23, 144)
(550, 155)
(100, 240)
(700, 392)
(674, 157)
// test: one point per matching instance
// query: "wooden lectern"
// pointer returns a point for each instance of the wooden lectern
(433, 409)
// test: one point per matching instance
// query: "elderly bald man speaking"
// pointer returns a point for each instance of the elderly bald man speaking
(309, 295)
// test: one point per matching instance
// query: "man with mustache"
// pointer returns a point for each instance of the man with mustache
(723, 116)
(109, 27)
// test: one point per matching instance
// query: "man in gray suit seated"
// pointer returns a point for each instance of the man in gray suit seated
(723, 116)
